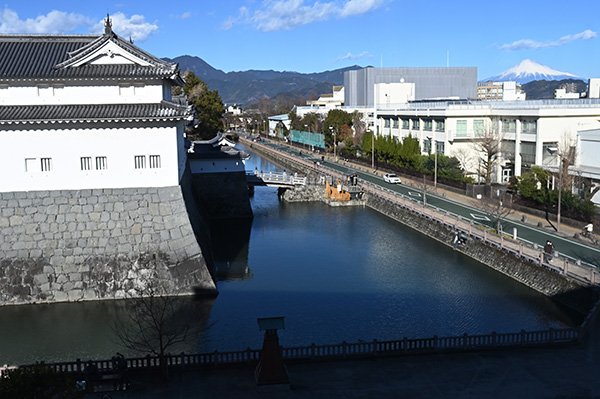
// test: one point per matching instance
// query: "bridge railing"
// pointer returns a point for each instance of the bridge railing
(342, 350)
(278, 178)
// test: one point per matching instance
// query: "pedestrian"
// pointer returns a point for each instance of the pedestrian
(588, 229)
(548, 251)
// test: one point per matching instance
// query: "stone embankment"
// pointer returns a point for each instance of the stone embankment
(308, 193)
(543, 280)
(96, 244)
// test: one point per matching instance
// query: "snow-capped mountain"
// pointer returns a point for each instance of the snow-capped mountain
(528, 71)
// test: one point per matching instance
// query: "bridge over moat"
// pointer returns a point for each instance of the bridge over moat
(275, 179)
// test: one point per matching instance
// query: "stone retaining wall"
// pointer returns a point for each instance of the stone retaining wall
(96, 244)
(538, 278)
(307, 193)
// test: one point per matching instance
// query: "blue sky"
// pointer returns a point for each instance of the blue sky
(314, 36)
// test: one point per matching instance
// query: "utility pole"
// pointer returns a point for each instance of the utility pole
(373, 148)
(560, 172)
(435, 167)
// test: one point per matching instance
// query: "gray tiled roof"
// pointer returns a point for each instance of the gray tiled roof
(89, 113)
(49, 57)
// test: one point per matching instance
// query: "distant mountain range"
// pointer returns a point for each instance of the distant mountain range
(248, 88)
(251, 86)
(527, 71)
(544, 89)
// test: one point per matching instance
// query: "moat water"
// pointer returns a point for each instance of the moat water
(335, 274)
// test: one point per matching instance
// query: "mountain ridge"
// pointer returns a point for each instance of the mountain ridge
(247, 88)
(244, 87)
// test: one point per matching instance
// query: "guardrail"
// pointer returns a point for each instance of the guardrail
(342, 350)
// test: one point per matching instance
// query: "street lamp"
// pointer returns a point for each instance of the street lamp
(431, 142)
(332, 129)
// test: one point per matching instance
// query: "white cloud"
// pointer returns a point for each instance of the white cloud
(275, 15)
(349, 56)
(54, 22)
(357, 7)
(185, 15)
(524, 44)
(135, 27)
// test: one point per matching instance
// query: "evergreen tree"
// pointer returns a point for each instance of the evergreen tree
(208, 106)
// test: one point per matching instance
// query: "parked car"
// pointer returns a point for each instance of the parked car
(391, 178)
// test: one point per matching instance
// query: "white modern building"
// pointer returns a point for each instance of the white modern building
(500, 91)
(329, 100)
(527, 130)
(594, 88)
(587, 162)
(278, 122)
(87, 112)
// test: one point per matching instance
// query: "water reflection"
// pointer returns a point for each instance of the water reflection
(230, 239)
(86, 330)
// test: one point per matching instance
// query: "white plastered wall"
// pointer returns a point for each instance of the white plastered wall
(66, 147)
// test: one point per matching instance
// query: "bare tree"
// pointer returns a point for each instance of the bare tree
(467, 161)
(359, 127)
(488, 144)
(156, 321)
(566, 156)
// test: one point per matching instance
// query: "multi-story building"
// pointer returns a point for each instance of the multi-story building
(430, 83)
(500, 91)
(527, 130)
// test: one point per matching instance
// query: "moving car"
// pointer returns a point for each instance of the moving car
(391, 178)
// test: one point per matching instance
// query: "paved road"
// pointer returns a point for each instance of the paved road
(564, 245)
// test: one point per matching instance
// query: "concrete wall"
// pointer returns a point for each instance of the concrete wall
(96, 244)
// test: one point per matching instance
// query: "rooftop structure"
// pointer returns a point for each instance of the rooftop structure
(430, 83)
(329, 100)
